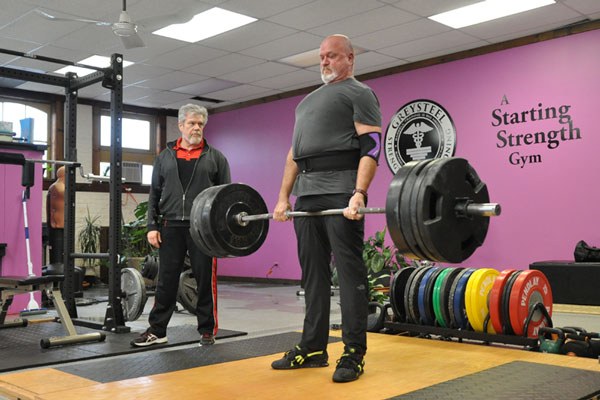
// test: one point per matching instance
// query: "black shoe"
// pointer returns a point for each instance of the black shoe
(207, 339)
(301, 358)
(350, 366)
(148, 339)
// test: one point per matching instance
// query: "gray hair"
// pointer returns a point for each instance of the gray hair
(192, 109)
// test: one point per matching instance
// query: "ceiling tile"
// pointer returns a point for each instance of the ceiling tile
(258, 72)
(240, 91)
(263, 8)
(223, 65)
(206, 86)
(289, 45)
(171, 80)
(370, 21)
(427, 8)
(429, 45)
(186, 56)
(322, 12)
(290, 79)
(523, 21)
(403, 33)
(369, 61)
(250, 35)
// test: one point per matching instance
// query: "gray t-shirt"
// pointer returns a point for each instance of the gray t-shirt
(325, 123)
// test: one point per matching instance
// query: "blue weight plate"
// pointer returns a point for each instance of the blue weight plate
(411, 300)
(425, 305)
(397, 289)
(457, 300)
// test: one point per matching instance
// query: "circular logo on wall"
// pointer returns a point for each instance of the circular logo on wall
(419, 130)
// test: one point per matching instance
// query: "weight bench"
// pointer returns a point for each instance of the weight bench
(12, 285)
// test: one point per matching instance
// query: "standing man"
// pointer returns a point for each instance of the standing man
(55, 216)
(333, 158)
(181, 171)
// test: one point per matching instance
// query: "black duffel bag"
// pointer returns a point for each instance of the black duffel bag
(586, 253)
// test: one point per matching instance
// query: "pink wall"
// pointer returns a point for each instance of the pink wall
(12, 228)
(547, 206)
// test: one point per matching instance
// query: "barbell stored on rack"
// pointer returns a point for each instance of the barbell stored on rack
(436, 209)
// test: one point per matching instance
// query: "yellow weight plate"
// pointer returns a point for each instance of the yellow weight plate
(476, 298)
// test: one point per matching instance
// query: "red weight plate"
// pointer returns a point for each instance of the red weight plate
(530, 287)
(496, 297)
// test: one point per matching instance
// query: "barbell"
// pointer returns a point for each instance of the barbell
(436, 210)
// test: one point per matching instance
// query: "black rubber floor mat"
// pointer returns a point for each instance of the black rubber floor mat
(20, 347)
(516, 380)
(152, 363)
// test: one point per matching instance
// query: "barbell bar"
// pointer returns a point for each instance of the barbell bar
(436, 209)
(467, 209)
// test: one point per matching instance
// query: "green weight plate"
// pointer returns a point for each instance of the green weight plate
(436, 297)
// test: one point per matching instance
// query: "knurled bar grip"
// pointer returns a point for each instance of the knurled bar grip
(471, 209)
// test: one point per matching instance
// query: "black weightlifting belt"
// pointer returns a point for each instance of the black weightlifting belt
(331, 161)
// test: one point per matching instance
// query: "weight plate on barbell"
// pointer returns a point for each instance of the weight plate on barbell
(134, 297)
(407, 210)
(200, 228)
(451, 236)
(413, 216)
(496, 299)
(220, 211)
(476, 298)
(530, 287)
(393, 206)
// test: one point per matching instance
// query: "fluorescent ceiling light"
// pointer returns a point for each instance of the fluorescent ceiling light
(93, 61)
(311, 58)
(204, 25)
(486, 11)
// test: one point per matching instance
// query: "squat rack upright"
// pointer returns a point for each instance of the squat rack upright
(110, 78)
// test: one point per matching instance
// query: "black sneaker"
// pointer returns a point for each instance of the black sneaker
(300, 358)
(207, 339)
(350, 366)
(148, 339)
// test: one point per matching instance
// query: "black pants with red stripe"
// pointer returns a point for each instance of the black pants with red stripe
(319, 238)
(176, 241)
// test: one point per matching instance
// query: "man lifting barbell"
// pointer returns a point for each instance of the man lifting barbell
(334, 156)
(330, 166)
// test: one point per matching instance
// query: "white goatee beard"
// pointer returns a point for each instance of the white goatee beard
(326, 78)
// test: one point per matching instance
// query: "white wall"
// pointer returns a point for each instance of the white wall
(98, 203)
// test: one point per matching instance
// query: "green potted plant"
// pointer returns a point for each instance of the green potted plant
(135, 244)
(382, 262)
(89, 237)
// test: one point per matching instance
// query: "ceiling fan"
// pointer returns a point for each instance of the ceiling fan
(124, 28)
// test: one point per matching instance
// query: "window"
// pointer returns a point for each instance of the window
(15, 112)
(138, 143)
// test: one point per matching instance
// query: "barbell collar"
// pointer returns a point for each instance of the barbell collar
(470, 209)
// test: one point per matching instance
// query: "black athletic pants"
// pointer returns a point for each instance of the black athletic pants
(317, 238)
(176, 241)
